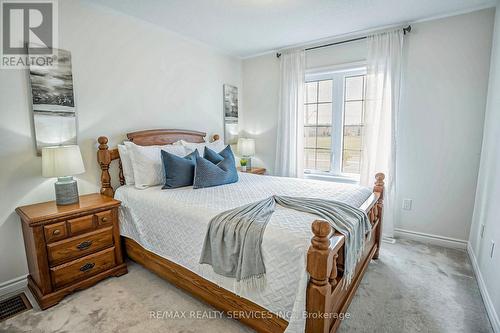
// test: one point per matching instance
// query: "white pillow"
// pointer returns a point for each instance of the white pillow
(127, 168)
(147, 164)
(217, 146)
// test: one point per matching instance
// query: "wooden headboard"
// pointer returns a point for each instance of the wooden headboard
(142, 138)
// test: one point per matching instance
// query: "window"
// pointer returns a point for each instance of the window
(318, 125)
(333, 122)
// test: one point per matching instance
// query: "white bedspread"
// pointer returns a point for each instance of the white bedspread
(172, 223)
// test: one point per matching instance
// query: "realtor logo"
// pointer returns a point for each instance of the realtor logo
(29, 33)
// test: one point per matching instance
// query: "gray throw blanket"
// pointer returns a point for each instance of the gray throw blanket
(233, 240)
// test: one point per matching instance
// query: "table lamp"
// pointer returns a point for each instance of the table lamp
(63, 162)
(246, 148)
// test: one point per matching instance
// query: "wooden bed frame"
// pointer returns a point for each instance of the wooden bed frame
(326, 300)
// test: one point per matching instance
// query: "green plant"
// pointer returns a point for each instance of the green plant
(243, 162)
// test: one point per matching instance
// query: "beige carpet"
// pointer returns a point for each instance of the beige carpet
(412, 288)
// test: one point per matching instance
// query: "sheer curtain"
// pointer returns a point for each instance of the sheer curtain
(289, 149)
(383, 82)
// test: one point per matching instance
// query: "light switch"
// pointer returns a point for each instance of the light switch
(407, 203)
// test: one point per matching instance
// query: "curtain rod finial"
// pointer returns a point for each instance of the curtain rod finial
(407, 29)
(278, 55)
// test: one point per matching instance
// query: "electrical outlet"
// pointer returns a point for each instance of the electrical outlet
(492, 249)
(482, 230)
(407, 203)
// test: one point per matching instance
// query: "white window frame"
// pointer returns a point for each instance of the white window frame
(337, 75)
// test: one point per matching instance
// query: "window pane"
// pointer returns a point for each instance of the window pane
(350, 161)
(323, 160)
(309, 137)
(318, 125)
(325, 91)
(311, 92)
(353, 113)
(352, 137)
(310, 114)
(324, 137)
(354, 87)
(309, 159)
(353, 123)
(351, 154)
(325, 114)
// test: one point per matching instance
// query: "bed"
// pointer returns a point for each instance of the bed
(164, 230)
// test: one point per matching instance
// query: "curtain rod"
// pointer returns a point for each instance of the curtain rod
(405, 31)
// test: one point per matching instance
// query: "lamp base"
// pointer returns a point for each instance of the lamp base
(66, 191)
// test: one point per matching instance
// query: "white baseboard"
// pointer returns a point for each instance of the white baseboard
(448, 242)
(388, 239)
(12, 286)
(490, 309)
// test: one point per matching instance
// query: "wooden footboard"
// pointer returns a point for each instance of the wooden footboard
(327, 299)
(234, 306)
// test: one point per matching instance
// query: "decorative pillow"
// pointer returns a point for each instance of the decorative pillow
(147, 165)
(208, 174)
(212, 156)
(179, 171)
(128, 171)
(216, 146)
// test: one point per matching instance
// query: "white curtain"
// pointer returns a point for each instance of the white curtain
(289, 149)
(383, 81)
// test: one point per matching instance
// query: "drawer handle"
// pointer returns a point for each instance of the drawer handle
(104, 219)
(56, 232)
(87, 266)
(84, 245)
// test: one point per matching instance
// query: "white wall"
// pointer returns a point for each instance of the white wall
(487, 207)
(260, 104)
(441, 120)
(128, 75)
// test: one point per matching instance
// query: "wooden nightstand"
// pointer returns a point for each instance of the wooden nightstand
(256, 171)
(71, 247)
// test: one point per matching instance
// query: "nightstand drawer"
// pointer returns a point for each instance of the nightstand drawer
(82, 268)
(104, 218)
(55, 232)
(81, 225)
(79, 246)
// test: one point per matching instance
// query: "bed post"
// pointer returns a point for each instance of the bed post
(104, 159)
(325, 295)
(318, 288)
(379, 188)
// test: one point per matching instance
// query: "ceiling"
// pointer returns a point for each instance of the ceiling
(245, 28)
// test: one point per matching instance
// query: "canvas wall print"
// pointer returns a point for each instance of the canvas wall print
(230, 102)
(53, 102)
(231, 128)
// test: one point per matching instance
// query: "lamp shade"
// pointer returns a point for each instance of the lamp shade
(61, 161)
(246, 147)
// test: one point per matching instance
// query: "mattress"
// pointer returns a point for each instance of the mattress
(172, 224)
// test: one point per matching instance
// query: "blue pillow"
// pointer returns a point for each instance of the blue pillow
(179, 171)
(208, 173)
(212, 156)
(215, 157)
